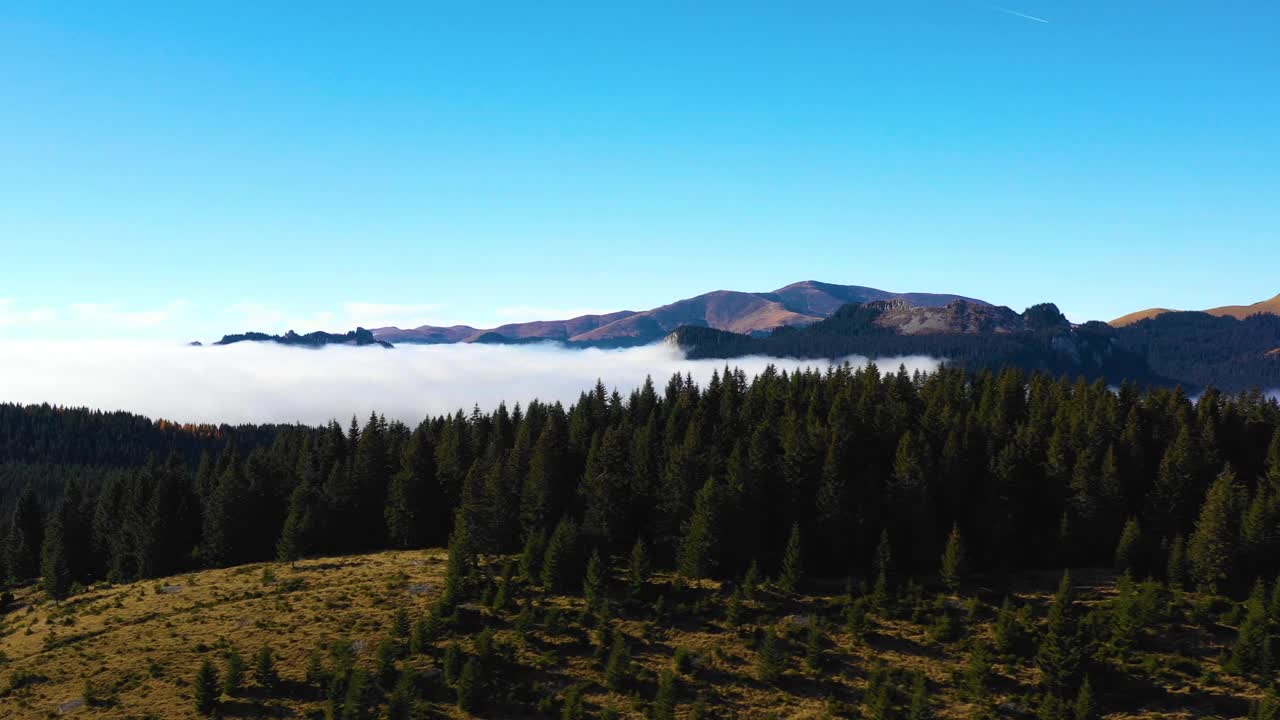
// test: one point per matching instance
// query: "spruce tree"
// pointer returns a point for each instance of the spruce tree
(462, 560)
(55, 573)
(617, 672)
(664, 705)
(696, 558)
(1060, 653)
(233, 679)
(772, 660)
(813, 654)
(1128, 547)
(359, 696)
(207, 688)
(750, 580)
(452, 663)
(468, 688)
(919, 708)
(638, 568)
(557, 570)
(1211, 549)
(593, 586)
(26, 536)
(792, 563)
(1086, 708)
(977, 672)
(264, 667)
(1176, 568)
(400, 701)
(953, 561)
(882, 563)
(1251, 653)
(222, 541)
(535, 546)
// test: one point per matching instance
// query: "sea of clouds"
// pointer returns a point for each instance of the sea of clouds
(263, 382)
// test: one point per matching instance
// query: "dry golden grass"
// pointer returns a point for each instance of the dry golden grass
(140, 644)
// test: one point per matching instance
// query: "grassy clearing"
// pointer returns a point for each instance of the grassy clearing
(138, 646)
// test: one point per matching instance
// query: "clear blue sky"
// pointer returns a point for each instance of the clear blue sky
(181, 169)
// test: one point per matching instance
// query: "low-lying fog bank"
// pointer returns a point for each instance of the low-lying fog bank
(253, 382)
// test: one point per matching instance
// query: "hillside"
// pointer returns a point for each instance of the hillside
(138, 646)
(1195, 350)
(1239, 312)
(794, 305)
(967, 334)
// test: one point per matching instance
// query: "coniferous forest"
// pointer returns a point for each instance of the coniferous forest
(881, 485)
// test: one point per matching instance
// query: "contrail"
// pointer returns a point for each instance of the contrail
(1015, 13)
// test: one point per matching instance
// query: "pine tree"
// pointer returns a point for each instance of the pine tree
(1086, 707)
(264, 667)
(461, 562)
(953, 561)
(1176, 568)
(593, 586)
(233, 680)
(792, 563)
(1211, 549)
(360, 695)
(696, 558)
(1251, 653)
(1128, 547)
(469, 686)
(207, 688)
(400, 701)
(55, 573)
(1060, 653)
(664, 705)
(412, 512)
(452, 663)
(638, 568)
(772, 660)
(26, 536)
(977, 672)
(813, 655)
(222, 541)
(617, 672)
(751, 580)
(535, 546)
(303, 522)
(557, 573)
(883, 565)
(919, 708)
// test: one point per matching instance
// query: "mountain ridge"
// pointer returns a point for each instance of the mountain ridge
(752, 313)
(1239, 312)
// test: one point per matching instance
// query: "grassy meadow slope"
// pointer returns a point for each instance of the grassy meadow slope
(139, 646)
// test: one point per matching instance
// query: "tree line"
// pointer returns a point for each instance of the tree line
(1031, 469)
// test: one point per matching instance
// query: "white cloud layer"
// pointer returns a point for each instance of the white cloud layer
(259, 382)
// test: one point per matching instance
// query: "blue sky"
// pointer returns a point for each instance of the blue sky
(178, 171)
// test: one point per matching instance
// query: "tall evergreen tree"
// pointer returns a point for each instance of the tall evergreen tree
(1211, 549)
(953, 561)
(696, 559)
(55, 571)
(1128, 548)
(1060, 653)
(25, 538)
(208, 688)
(792, 563)
(557, 570)
(1251, 653)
